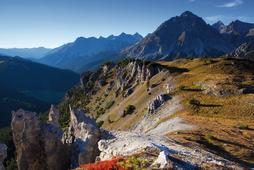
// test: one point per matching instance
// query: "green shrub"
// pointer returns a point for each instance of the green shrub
(11, 164)
(209, 138)
(101, 111)
(110, 104)
(182, 87)
(194, 102)
(243, 127)
(129, 110)
(100, 123)
(110, 121)
(134, 163)
(195, 105)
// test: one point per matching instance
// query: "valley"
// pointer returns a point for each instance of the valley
(32, 86)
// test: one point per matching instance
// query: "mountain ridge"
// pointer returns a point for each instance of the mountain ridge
(188, 35)
(84, 50)
(28, 53)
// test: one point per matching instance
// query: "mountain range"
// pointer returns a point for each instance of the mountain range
(86, 53)
(188, 35)
(29, 53)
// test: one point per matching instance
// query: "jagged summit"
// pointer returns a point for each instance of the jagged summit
(186, 35)
(88, 53)
(188, 14)
(219, 26)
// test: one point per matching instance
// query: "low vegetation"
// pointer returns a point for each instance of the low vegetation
(214, 98)
(129, 110)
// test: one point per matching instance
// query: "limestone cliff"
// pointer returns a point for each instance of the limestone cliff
(84, 135)
(38, 145)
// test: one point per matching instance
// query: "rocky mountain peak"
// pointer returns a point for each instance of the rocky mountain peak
(238, 27)
(188, 14)
(219, 26)
(181, 36)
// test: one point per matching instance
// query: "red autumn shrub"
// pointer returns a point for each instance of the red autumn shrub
(104, 165)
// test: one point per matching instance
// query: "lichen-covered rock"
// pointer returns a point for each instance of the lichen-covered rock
(3, 155)
(157, 102)
(26, 137)
(38, 146)
(84, 134)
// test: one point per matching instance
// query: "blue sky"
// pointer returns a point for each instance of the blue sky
(50, 23)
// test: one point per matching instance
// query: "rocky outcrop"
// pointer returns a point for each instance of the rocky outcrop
(53, 118)
(135, 72)
(26, 135)
(157, 102)
(163, 161)
(127, 75)
(84, 135)
(44, 146)
(3, 155)
(245, 51)
(38, 146)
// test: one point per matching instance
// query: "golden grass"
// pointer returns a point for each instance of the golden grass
(218, 118)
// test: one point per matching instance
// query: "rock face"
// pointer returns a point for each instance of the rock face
(84, 135)
(44, 146)
(38, 146)
(135, 72)
(3, 155)
(127, 73)
(245, 51)
(157, 102)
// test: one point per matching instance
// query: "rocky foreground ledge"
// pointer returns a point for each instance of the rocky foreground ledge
(44, 146)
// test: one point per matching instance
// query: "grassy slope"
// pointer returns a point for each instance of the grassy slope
(222, 121)
(227, 126)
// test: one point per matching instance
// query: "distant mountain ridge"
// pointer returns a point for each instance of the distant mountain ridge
(82, 51)
(188, 35)
(29, 85)
(236, 27)
(29, 53)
